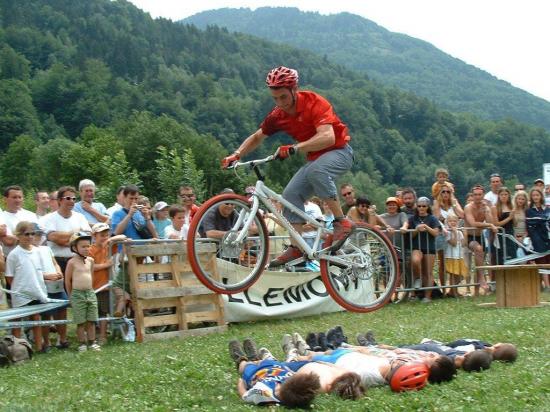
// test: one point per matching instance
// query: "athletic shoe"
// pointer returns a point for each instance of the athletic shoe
(313, 343)
(250, 349)
(291, 253)
(286, 344)
(370, 338)
(62, 345)
(340, 333)
(322, 339)
(426, 300)
(342, 229)
(362, 340)
(300, 344)
(264, 354)
(82, 348)
(292, 355)
(95, 347)
(332, 339)
(236, 352)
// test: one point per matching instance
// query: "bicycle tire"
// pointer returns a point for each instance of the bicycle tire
(358, 290)
(227, 256)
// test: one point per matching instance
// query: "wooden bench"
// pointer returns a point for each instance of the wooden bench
(517, 286)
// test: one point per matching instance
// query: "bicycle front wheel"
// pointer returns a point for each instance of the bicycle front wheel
(366, 273)
(234, 257)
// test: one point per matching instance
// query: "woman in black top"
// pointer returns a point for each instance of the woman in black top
(425, 227)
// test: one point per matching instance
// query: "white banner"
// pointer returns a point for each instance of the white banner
(279, 295)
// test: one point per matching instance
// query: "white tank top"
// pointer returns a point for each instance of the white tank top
(367, 367)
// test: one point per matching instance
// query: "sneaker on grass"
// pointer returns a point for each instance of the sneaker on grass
(236, 352)
(250, 349)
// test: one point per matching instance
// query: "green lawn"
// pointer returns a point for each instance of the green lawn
(197, 374)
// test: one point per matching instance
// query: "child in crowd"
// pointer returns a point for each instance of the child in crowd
(442, 179)
(24, 275)
(178, 229)
(78, 282)
(99, 251)
(55, 286)
(454, 253)
(160, 217)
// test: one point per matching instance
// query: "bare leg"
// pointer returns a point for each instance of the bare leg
(427, 275)
(441, 270)
(90, 331)
(61, 329)
(80, 333)
(103, 330)
(334, 207)
(416, 263)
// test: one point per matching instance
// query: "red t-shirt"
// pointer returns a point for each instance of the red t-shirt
(312, 111)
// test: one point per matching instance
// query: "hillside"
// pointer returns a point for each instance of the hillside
(391, 58)
(99, 89)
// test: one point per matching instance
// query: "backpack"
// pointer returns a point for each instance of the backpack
(14, 350)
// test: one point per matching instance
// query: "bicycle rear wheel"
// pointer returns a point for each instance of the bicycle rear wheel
(227, 265)
(367, 273)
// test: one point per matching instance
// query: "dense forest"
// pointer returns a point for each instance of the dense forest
(392, 58)
(99, 89)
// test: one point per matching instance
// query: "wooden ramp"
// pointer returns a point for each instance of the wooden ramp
(175, 304)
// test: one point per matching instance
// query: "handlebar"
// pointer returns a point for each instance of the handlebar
(252, 163)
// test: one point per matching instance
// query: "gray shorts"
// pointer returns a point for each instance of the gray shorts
(317, 178)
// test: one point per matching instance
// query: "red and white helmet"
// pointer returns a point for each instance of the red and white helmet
(409, 377)
(282, 77)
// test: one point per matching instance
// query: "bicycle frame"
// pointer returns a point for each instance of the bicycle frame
(264, 195)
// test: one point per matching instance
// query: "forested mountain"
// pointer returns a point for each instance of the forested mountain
(99, 89)
(391, 58)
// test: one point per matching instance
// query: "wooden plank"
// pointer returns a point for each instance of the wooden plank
(201, 299)
(160, 320)
(210, 316)
(184, 333)
(160, 248)
(518, 287)
(153, 268)
(159, 303)
(170, 292)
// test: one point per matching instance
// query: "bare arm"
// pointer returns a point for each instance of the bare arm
(69, 277)
(251, 143)
(241, 388)
(457, 208)
(321, 140)
(88, 208)
(60, 238)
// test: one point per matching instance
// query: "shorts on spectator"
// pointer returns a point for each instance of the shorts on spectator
(58, 295)
(84, 304)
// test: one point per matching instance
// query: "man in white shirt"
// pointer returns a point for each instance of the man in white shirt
(119, 202)
(60, 225)
(496, 183)
(14, 213)
(94, 212)
(42, 202)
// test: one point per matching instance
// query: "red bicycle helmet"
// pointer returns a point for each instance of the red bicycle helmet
(409, 377)
(282, 77)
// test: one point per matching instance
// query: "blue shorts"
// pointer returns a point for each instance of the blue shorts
(252, 368)
(58, 295)
(331, 357)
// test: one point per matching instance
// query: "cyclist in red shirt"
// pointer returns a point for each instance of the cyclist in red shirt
(321, 135)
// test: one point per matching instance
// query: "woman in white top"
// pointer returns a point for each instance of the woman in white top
(24, 274)
(520, 203)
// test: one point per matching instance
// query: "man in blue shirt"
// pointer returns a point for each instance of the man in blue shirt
(94, 212)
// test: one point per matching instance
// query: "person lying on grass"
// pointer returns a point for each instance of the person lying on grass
(441, 367)
(375, 366)
(468, 354)
(293, 383)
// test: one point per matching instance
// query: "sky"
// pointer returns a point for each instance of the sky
(507, 38)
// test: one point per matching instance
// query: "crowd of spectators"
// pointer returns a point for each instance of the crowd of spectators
(36, 245)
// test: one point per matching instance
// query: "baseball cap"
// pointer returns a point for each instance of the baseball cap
(538, 180)
(159, 206)
(100, 227)
(392, 199)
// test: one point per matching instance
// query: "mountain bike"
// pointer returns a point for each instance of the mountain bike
(360, 276)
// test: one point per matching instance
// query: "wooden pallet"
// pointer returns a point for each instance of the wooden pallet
(181, 301)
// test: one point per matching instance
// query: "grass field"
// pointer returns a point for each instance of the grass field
(197, 374)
